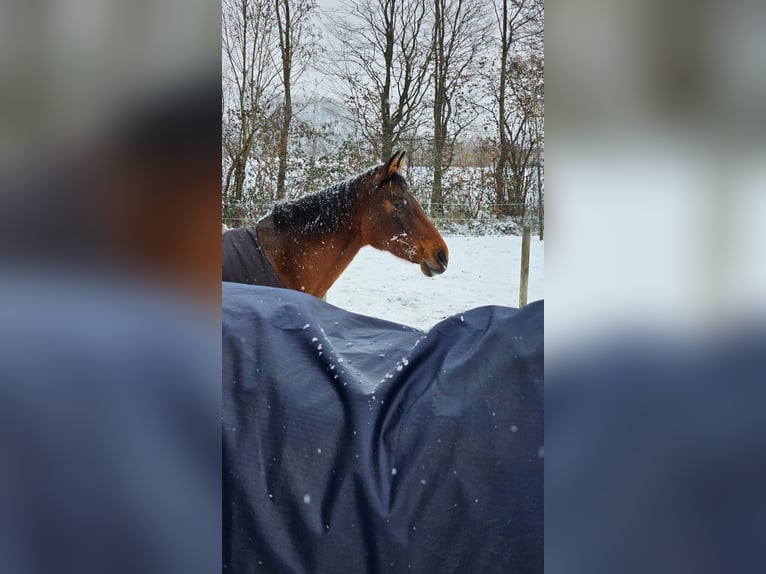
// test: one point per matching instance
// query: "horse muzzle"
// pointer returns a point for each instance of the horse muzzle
(437, 268)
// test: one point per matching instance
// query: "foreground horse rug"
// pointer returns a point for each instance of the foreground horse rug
(306, 244)
(353, 444)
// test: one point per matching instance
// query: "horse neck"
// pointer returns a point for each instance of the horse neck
(310, 262)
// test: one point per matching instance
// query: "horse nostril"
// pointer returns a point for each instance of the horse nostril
(441, 257)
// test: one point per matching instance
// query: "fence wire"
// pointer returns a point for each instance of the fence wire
(447, 217)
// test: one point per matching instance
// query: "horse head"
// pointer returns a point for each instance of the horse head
(394, 221)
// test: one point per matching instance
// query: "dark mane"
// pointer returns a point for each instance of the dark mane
(320, 212)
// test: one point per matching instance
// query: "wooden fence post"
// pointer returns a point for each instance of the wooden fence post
(524, 281)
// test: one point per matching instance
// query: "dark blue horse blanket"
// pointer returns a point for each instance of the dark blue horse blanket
(243, 260)
(353, 444)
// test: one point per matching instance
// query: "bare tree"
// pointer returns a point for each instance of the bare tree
(249, 84)
(294, 33)
(520, 24)
(459, 34)
(383, 64)
(539, 126)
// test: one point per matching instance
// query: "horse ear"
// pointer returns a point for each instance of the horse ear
(394, 165)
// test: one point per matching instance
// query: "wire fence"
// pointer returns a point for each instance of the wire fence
(468, 203)
(454, 218)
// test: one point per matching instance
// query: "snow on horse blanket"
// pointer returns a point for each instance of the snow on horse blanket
(353, 444)
(243, 260)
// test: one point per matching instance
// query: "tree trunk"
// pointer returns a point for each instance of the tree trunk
(239, 179)
(284, 134)
(387, 143)
(437, 194)
(523, 198)
(516, 191)
(502, 197)
(387, 127)
(540, 203)
(238, 188)
(285, 31)
(437, 156)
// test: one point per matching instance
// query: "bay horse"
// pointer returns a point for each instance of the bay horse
(305, 244)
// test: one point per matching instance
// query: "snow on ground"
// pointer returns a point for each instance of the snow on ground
(482, 271)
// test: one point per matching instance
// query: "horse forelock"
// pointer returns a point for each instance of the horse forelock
(398, 179)
(323, 211)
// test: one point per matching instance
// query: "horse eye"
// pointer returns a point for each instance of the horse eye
(400, 204)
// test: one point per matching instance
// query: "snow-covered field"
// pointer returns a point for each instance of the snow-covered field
(482, 271)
